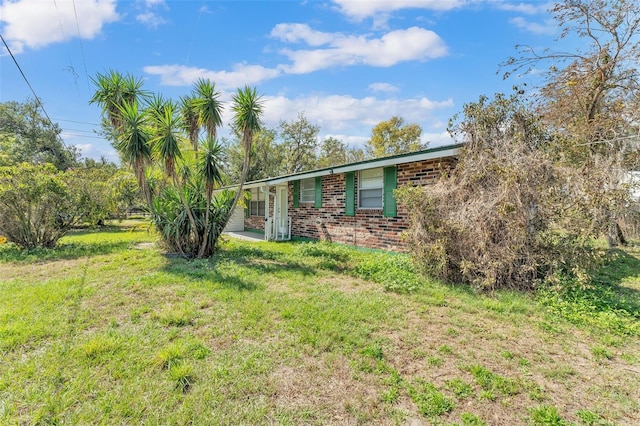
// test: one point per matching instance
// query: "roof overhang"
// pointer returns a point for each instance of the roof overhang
(429, 154)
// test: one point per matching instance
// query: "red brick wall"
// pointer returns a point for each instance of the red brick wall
(368, 228)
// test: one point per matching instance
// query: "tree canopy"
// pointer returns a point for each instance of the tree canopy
(28, 136)
(393, 137)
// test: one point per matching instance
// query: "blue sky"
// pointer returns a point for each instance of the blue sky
(346, 64)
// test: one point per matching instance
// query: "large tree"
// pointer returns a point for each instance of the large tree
(299, 143)
(393, 137)
(333, 152)
(267, 157)
(590, 94)
(28, 136)
(590, 99)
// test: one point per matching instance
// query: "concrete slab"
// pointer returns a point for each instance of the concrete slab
(245, 235)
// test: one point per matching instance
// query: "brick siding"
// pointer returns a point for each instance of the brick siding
(368, 228)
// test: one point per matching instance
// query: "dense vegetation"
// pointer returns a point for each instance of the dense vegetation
(540, 179)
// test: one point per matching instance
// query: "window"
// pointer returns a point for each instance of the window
(256, 205)
(308, 190)
(370, 189)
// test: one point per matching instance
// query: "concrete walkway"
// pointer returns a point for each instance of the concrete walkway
(246, 235)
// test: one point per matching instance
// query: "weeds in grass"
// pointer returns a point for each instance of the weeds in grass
(460, 389)
(99, 348)
(434, 361)
(603, 306)
(469, 419)
(545, 415)
(591, 418)
(396, 273)
(445, 350)
(492, 382)
(601, 354)
(175, 316)
(374, 351)
(182, 375)
(171, 355)
(430, 401)
(559, 372)
(507, 355)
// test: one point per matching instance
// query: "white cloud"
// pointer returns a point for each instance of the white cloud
(241, 75)
(295, 33)
(549, 27)
(527, 8)
(394, 47)
(350, 140)
(150, 19)
(360, 9)
(96, 151)
(337, 113)
(150, 16)
(383, 87)
(35, 24)
(437, 139)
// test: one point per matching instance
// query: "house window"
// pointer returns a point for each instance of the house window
(308, 190)
(256, 205)
(370, 188)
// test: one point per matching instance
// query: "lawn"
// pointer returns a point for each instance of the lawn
(109, 329)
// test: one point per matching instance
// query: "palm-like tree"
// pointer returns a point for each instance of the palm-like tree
(210, 173)
(248, 107)
(190, 122)
(132, 143)
(166, 146)
(208, 106)
(113, 91)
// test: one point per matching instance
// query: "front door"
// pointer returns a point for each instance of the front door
(281, 218)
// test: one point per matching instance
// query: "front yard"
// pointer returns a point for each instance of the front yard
(110, 330)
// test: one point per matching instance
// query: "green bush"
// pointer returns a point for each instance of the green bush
(37, 206)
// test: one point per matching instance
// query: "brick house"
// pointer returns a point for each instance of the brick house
(349, 204)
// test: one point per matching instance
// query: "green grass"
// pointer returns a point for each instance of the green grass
(107, 329)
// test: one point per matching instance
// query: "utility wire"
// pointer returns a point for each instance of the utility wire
(84, 61)
(70, 68)
(38, 101)
(75, 121)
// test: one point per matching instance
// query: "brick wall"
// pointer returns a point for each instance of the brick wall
(368, 228)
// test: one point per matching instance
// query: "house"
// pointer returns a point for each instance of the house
(351, 204)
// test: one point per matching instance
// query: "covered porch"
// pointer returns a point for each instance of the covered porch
(271, 202)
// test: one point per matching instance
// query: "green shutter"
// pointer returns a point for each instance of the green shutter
(296, 193)
(390, 183)
(247, 203)
(350, 194)
(318, 187)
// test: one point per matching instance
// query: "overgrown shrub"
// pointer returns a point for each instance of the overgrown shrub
(37, 206)
(507, 215)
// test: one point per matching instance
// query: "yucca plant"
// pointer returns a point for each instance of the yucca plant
(185, 211)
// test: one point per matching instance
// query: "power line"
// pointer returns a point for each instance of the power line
(81, 135)
(76, 121)
(84, 61)
(79, 130)
(39, 102)
(70, 68)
